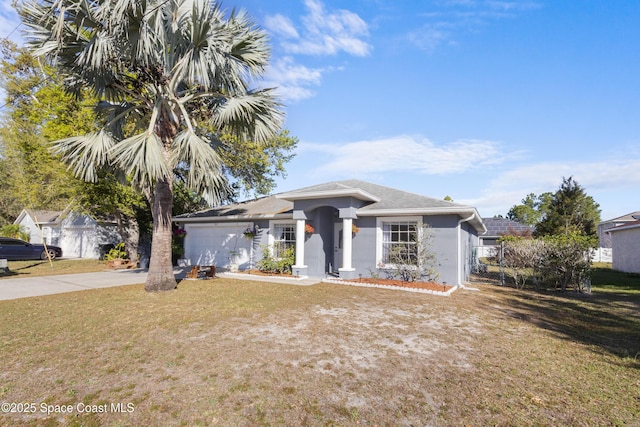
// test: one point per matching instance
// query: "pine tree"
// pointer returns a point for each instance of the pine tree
(571, 211)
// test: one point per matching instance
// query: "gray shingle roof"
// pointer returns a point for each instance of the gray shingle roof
(378, 197)
(501, 226)
(44, 216)
(390, 198)
(265, 206)
(633, 216)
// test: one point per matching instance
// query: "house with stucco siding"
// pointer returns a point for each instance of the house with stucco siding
(625, 246)
(354, 225)
(79, 235)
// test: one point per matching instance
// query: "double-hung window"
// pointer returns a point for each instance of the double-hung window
(284, 237)
(400, 242)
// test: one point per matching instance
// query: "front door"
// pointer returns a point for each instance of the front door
(337, 246)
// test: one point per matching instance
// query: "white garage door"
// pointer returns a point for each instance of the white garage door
(216, 244)
(79, 242)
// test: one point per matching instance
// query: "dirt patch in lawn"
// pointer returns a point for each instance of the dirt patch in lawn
(242, 353)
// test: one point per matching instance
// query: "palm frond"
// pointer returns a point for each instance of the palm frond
(142, 157)
(256, 115)
(161, 67)
(202, 165)
(249, 44)
(85, 154)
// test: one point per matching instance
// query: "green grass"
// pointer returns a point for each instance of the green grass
(19, 269)
(232, 352)
(603, 277)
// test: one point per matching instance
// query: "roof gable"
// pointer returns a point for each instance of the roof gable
(261, 207)
(626, 226)
(381, 197)
(379, 201)
(630, 217)
(40, 216)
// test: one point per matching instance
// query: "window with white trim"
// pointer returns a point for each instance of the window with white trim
(284, 237)
(400, 238)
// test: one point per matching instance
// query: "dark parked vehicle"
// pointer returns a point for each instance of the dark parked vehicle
(16, 249)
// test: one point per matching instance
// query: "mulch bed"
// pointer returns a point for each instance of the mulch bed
(431, 286)
(265, 273)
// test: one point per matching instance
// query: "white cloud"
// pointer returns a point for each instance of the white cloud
(281, 25)
(453, 17)
(408, 154)
(293, 81)
(430, 36)
(323, 33)
(547, 176)
(598, 178)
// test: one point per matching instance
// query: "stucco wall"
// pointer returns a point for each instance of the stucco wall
(320, 246)
(626, 250)
(34, 233)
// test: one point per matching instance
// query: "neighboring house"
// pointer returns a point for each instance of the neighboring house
(79, 236)
(383, 216)
(625, 246)
(603, 235)
(496, 228)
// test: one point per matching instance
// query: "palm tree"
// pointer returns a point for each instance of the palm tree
(172, 76)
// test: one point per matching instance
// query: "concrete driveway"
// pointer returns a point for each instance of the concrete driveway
(46, 285)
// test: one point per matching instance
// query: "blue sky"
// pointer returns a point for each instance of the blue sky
(482, 100)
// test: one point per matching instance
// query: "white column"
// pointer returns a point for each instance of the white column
(300, 223)
(346, 243)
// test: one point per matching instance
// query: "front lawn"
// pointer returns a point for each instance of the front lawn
(233, 352)
(36, 268)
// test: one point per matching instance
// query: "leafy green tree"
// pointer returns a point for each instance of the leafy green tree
(158, 67)
(40, 110)
(35, 112)
(112, 197)
(532, 209)
(571, 211)
(15, 231)
(9, 205)
(251, 166)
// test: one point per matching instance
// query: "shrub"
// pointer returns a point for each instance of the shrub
(523, 257)
(561, 260)
(411, 266)
(15, 231)
(270, 264)
(117, 252)
(568, 260)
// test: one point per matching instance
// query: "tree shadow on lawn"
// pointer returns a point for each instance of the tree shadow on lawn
(16, 271)
(608, 320)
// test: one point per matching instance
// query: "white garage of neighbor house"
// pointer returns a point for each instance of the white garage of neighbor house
(79, 236)
(311, 220)
(625, 246)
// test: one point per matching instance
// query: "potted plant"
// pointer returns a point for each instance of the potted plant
(116, 256)
(354, 229)
(249, 234)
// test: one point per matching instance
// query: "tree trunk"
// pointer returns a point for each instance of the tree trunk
(131, 237)
(130, 232)
(160, 277)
